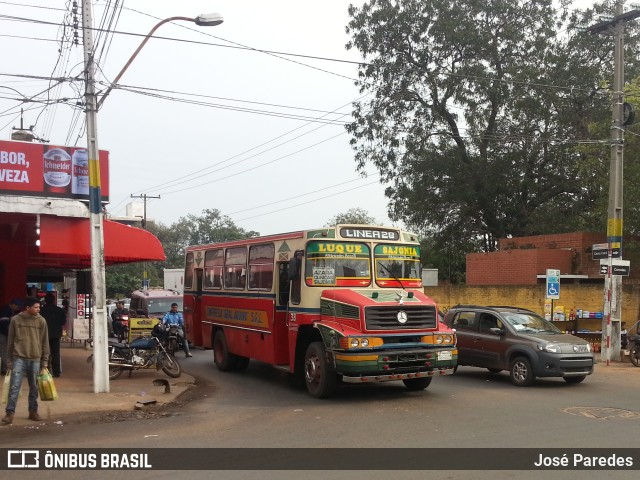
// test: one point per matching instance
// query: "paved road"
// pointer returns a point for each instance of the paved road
(259, 408)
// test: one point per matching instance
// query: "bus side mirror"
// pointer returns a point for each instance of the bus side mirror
(294, 269)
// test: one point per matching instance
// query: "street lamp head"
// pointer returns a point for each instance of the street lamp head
(209, 19)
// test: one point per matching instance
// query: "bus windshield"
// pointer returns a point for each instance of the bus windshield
(397, 265)
(340, 264)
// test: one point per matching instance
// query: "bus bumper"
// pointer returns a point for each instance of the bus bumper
(394, 365)
(398, 376)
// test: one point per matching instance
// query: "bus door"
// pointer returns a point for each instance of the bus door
(197, 316)
(281, 323)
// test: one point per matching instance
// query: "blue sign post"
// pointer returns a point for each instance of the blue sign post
(553, 284)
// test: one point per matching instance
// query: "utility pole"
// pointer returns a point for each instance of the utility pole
(145, 277)
(613, 283)
(100, 350)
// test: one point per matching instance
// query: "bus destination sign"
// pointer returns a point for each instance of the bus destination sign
(369, 233)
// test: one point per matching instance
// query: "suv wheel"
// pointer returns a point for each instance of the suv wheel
(521, 372)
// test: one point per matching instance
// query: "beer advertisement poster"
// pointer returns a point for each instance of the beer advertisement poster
(37, 169)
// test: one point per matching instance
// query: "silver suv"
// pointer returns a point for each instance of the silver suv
(520, 341)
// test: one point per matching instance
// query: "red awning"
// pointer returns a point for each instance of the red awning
(66, 241)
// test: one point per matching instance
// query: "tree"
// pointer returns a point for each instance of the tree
(478, 113)
(356, 215)
(210, 227)
(121, 280)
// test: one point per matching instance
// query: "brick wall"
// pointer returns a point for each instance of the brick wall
(515, 267)
(579, 242)
(519, 260)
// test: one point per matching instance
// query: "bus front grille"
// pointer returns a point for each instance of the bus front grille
(335, 309)
(386, 318)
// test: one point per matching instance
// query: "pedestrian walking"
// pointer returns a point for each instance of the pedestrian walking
(27, 351)
(56, 317)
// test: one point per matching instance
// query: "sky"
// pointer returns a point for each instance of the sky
(241, 153)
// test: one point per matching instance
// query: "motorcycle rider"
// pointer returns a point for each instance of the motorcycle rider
(174, 317)
(116, 317)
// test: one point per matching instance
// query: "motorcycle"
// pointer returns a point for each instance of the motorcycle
(144, 352)
(122, 333)
(633, 344)
(168, 335)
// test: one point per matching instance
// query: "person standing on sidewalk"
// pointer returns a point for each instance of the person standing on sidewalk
(28, 352)
(56, 318)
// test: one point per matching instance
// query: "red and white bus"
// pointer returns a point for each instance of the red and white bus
(341, 303)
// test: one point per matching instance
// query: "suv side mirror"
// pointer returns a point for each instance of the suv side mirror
(497, 331)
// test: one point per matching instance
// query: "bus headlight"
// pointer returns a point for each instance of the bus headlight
(360, 342)
(440, 339)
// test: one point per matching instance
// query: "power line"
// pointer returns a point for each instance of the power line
(239, 109)
(313, 57)
(305, 194)
(305, 203)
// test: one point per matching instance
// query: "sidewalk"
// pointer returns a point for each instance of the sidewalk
(75, 390)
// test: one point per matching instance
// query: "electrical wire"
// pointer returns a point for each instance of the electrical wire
(367, 175)
(360, 63)
(305, 203)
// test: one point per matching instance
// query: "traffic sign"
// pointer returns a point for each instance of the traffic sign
(553, 284)
(618, 267)
(601, 250)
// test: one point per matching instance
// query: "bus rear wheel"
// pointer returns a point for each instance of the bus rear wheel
(225, 361)
(319, 375)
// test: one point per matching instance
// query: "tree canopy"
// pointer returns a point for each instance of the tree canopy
(209, 227)
(355, 215)
(486, 118)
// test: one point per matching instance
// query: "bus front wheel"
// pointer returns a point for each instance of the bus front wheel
(319, 375)
(224, 360)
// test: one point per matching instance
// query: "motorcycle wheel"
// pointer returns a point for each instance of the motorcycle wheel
(634, 355)
(173, 346)
(114, 370)
(169, 365)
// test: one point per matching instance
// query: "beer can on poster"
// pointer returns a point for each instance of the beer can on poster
(80, 177)
(57, 170)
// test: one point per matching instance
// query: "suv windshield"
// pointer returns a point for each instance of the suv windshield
(397, 265)
(530, 322)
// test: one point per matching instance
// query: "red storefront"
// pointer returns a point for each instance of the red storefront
(44, 217)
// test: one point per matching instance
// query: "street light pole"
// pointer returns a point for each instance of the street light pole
(100, 352)
(613, 283)
(613, 302)
(100, 347)
(209, 20)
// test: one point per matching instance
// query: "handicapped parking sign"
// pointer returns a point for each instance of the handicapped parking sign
(553, 284)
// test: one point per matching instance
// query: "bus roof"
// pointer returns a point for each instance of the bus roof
(346, 231)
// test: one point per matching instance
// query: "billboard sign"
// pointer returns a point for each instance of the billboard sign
(36, 169)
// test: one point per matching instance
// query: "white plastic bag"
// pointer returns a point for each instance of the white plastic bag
(5, 387)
